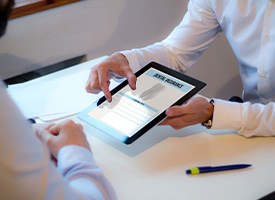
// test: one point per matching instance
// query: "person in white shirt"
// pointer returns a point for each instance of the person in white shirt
(26, 169)
(249, 27)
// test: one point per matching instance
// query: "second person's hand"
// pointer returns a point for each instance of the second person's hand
(100, 75)
(57, 136)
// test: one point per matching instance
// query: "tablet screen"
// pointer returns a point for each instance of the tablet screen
(132, 110)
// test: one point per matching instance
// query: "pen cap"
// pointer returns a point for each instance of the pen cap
(193, 171)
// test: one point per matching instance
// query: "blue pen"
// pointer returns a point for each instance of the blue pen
(207, 169)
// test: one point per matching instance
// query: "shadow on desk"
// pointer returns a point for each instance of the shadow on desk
(146, 141)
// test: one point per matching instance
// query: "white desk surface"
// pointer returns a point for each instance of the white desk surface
(154, 166)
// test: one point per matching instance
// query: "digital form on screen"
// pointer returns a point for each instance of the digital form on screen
(131, 109)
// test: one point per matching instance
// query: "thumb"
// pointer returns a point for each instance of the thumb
(176, 111)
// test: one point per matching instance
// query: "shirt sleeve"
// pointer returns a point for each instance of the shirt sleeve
(246, 118)
(78, 166)
(186, 42)
(26, 171)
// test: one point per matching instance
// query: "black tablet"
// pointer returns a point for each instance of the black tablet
(133, 112)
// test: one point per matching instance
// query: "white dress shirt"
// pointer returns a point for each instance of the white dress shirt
(26, 171)
(249, 26)
(248, 119)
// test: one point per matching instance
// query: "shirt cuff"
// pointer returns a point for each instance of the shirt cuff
(227, 115)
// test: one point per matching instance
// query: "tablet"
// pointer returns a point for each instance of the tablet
(133, 112)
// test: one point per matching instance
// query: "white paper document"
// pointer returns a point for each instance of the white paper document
(50, 99)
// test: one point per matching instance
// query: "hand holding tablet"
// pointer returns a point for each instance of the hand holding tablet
(133, 112)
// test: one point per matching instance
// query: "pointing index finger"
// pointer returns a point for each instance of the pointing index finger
(104, 83)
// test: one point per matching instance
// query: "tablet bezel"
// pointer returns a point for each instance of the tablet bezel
(198, 85)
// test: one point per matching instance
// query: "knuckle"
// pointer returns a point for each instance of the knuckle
(92, 86)
(102, 67)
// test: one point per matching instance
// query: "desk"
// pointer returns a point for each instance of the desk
(158, 171)
(154, 166)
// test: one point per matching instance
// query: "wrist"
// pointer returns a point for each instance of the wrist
(209, 121)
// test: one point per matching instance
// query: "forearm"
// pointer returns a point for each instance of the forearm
(185, 44)
(157, 52)
(78, 166)
(246, 118)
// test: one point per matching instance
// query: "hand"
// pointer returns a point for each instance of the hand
(100, 75)
(56, 136)
(196, 110)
